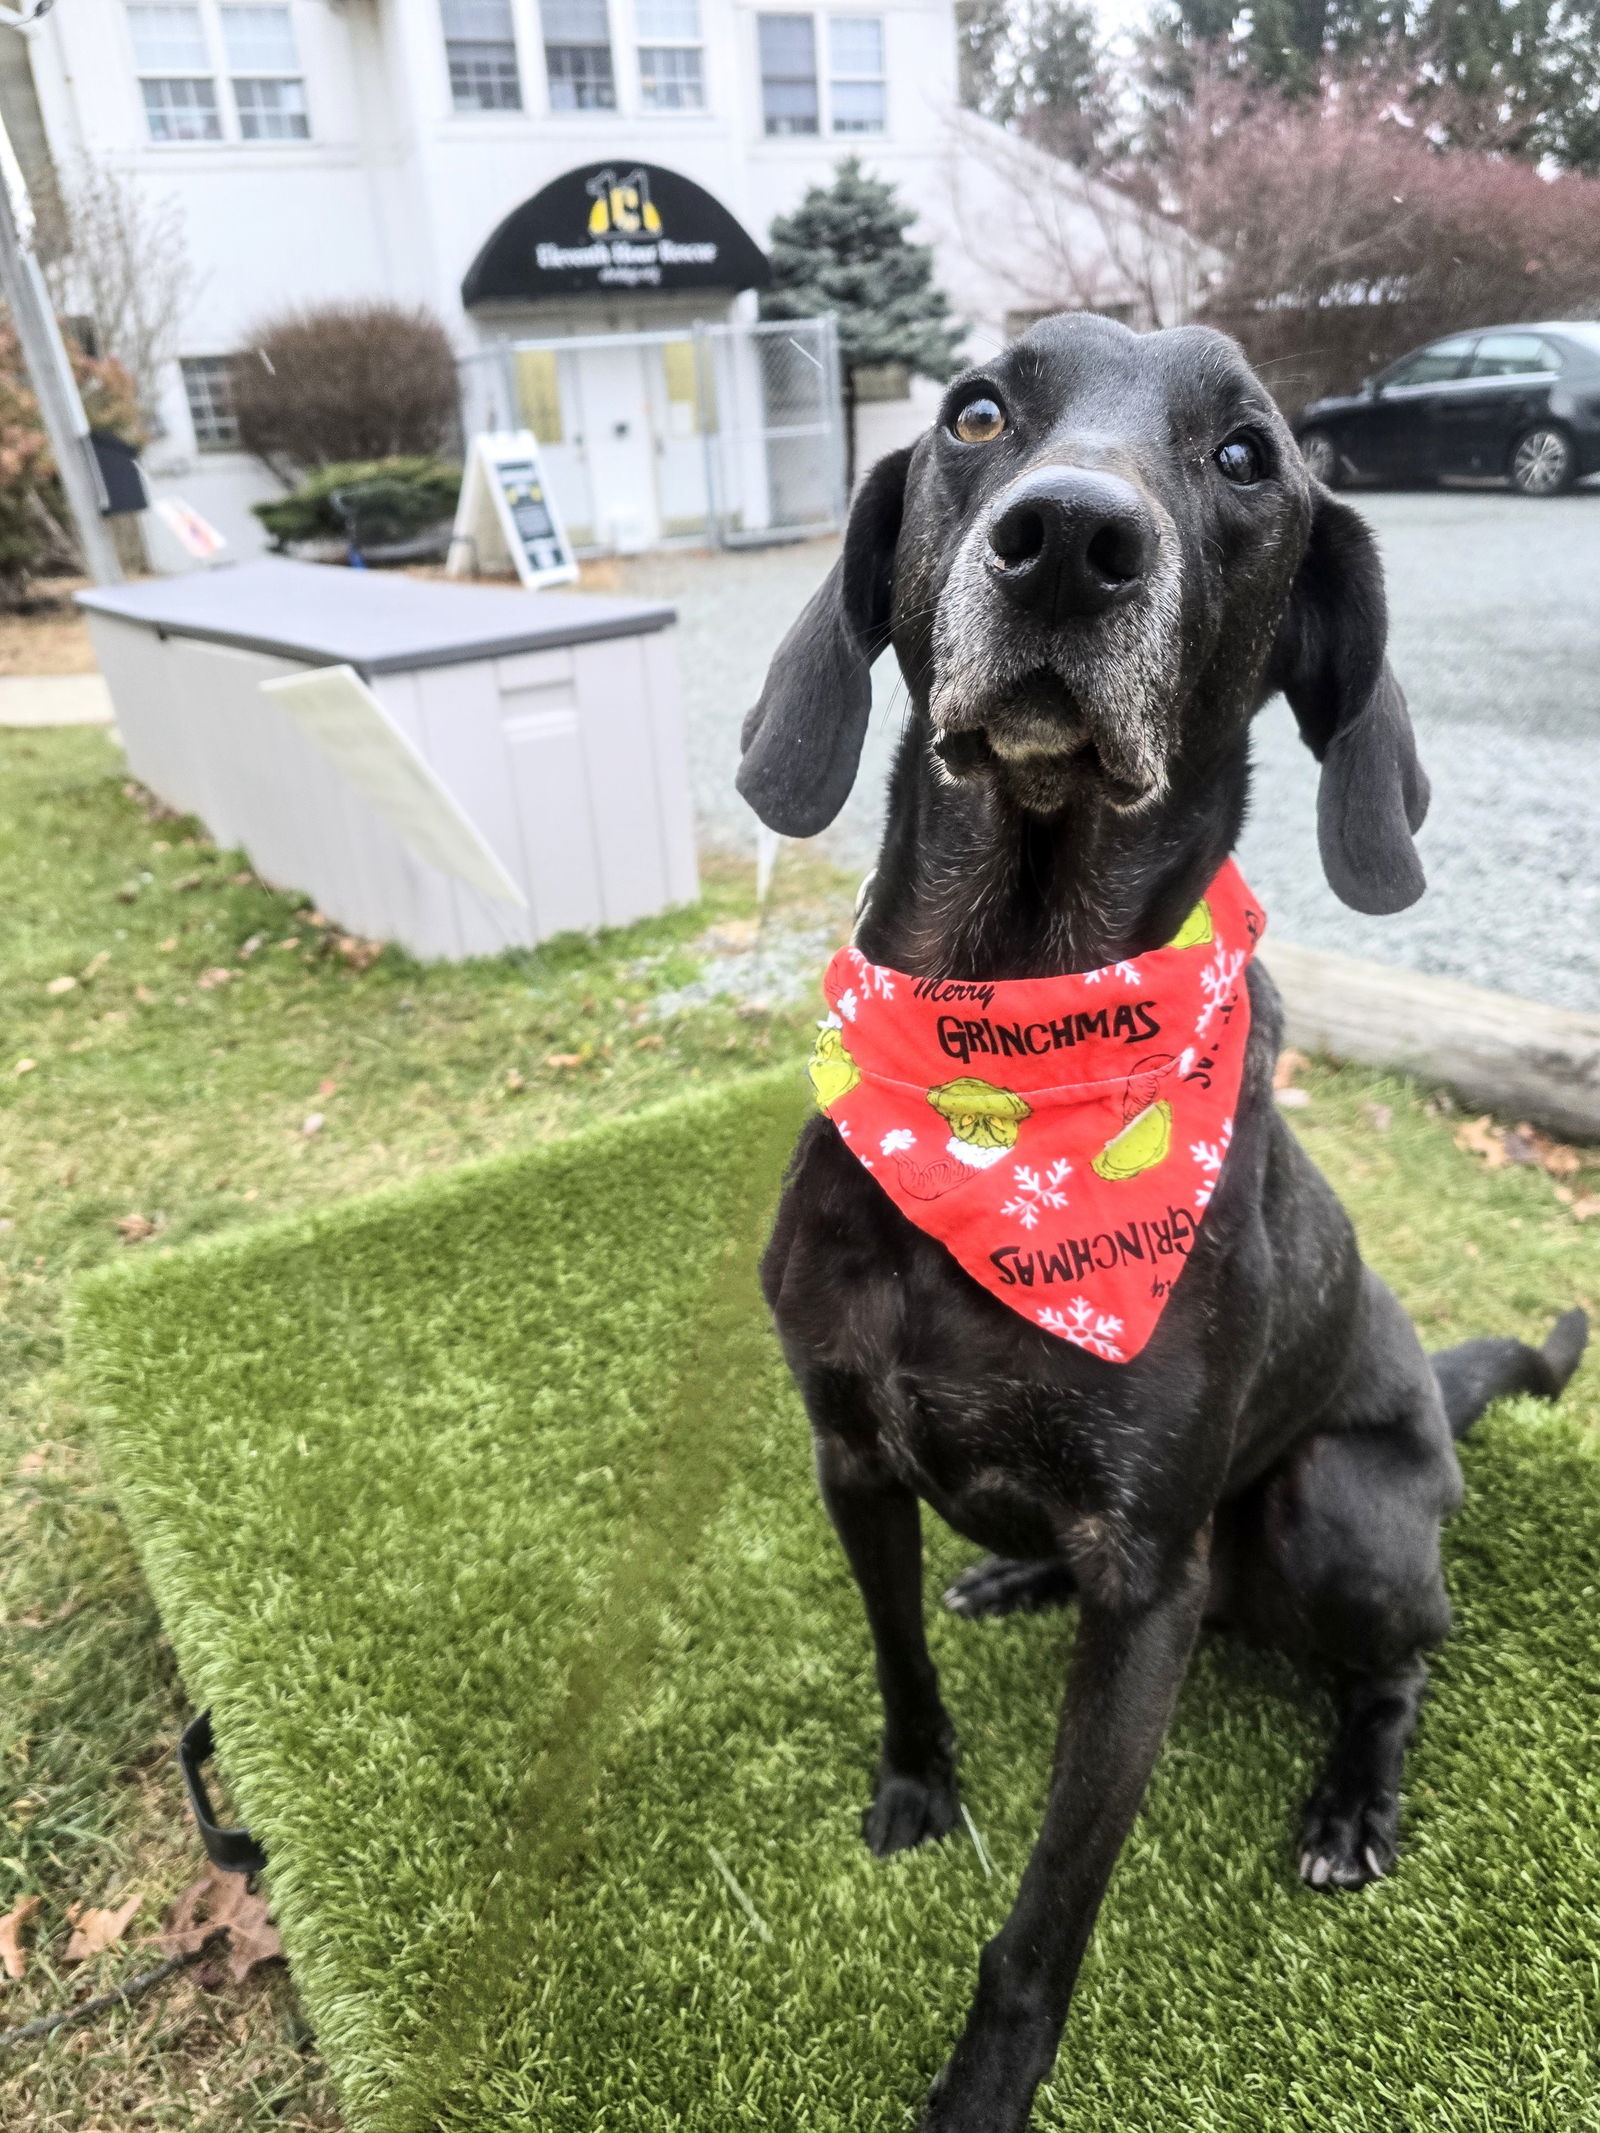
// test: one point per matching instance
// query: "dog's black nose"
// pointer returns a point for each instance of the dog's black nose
(1068, 541)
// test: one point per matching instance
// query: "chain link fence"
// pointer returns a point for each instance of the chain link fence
(727, 435)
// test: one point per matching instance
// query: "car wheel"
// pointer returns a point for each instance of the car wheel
(1543, 462)
(1323, 459)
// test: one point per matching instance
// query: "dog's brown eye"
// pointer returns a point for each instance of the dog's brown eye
(1240, 460)
(980, 421)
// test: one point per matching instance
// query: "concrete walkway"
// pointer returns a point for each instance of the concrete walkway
(54, 700)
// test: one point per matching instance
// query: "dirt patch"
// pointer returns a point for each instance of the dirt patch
(50, 636)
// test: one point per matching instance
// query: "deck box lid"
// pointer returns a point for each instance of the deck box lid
(380, 622)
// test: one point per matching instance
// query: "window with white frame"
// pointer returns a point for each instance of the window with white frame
(177, 46)
(856, 97)
(269, 92)
(482, 52)
(671, 71)
(577, 55)
(176, 78)
(208, 383)
(788, 73)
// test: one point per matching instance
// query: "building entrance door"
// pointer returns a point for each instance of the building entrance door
(619, 433)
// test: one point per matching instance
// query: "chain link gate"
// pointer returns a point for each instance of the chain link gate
(730, 435)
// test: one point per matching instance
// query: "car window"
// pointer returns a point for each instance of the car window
(1512, 355)
(1442, 360)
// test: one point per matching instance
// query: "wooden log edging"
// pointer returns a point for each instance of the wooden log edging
(1518, 1058)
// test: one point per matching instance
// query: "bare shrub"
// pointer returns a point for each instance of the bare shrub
(1350, 235)
(341, 382)
(116, 256)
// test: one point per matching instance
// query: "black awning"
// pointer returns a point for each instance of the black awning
(615, 226)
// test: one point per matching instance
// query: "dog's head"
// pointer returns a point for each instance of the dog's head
(1094, 569)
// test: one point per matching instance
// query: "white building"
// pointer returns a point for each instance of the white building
(321, 149)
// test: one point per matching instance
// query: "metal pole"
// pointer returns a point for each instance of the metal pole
(50, 372)
(704, 399)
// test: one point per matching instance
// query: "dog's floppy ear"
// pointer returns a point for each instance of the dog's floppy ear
(1329, 661)
(802, 742)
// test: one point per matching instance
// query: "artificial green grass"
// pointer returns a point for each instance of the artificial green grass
(481, 1513)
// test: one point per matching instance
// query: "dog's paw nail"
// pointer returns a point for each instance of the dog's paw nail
(1375, 1865)
(1320, 1872)
(1305, 1866)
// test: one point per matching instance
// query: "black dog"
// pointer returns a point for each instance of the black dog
(1094, 570)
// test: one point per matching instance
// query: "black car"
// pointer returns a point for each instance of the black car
(1521, 402)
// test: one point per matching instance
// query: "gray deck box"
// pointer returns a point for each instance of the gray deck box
(551, 718)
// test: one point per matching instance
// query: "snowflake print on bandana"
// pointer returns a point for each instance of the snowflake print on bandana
(1085, 1327)
(1061, 1137)
(1035, 1193)
(1209, 1155)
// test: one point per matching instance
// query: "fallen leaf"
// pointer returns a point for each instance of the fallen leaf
(252, 1940)
(1290, 1099)
(327, 1086)
(292, 942)
(316, 918)
(133, 1229)
(12, 1953)
(166, 947)
(128, 893)
(514, 1082)
(359, 954)
(34, 1462)
(60, 985)
(652, 1043)
(143, 995)
(252, 945)
(314, 1124)
(95, 1931)
(1587, 1208)
(565, 1059)
(242, 880)
(223, 1902)
(1554, 1157)
(1290, 1063)
(24, 1066)
(209, 980)
(1481, 1136)
(95, 965)
(188, 881)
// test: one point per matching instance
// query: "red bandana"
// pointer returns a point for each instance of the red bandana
(1060, 1136)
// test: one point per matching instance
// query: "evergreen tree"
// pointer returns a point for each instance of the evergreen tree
(844, 251)
(1518, 75)
(1037, 66)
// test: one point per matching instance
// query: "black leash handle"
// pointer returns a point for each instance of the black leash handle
(235, 1851)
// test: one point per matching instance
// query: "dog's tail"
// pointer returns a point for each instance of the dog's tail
(1478, 1372)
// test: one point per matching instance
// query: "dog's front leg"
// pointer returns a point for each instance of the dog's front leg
(1127, 1667)
(878, 1522)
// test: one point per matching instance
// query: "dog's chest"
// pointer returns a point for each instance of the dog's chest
(1021, 1465)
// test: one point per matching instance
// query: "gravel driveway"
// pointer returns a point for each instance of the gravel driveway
(1495, 635)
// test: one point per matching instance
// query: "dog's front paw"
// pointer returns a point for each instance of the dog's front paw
(1345, 1843)
(957, 2104)
(908, 1811)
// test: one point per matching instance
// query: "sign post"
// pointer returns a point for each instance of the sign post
(507, 515)
(50, 372)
